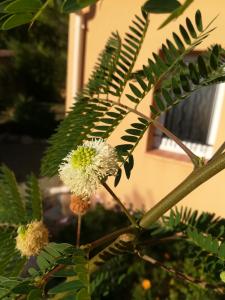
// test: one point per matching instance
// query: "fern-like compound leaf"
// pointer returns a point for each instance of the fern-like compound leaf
(33, 199)
(170, 58)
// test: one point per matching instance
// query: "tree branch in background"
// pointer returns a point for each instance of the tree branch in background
(179, 274)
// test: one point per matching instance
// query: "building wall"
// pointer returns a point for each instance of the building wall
(156, 175)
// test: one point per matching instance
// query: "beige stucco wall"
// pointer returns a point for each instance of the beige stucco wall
(154, 176)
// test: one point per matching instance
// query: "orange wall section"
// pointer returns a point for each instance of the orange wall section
(154, 176)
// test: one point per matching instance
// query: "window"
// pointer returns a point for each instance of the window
(194, 121)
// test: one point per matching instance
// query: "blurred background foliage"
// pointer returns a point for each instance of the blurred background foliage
(32, 75)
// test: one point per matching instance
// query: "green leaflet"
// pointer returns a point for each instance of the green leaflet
(69, 6)
(22, 6)
(11, 262)
(161, 6)
(19, 12)
(33, 197)
(133, 137)
(12, 208)
(176, 13)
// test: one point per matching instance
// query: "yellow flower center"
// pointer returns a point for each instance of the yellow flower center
(82, 157)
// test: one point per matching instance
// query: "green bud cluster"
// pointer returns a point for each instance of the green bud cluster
(83, 157)
(21, 230)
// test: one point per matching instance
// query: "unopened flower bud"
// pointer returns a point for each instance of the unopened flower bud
(146, 284)
(79, 205)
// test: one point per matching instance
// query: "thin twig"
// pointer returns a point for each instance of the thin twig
(39, 12)
(109, 237)
(130, 217)
(194, 158)
(179, 274)
(78, 230)
(47, 276)
(156, 241)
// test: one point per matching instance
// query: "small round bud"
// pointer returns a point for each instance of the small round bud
(146, 284)
(79, 205)
(31, 238)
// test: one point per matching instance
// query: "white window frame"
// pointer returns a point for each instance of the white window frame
(166, 144)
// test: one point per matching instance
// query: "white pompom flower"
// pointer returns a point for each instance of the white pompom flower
(83, 169)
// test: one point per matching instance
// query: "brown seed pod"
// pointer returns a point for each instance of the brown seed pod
(79, 205)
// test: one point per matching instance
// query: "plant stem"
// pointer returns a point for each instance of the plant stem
(129, 216)
(108, 237)
(219, 151)
(39, 12)
(194, 158)
(78, 230)
(179, 274)
(47, 276)
(196, 178)
(155, 241)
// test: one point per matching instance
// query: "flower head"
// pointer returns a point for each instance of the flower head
(31, 238)
(83, 168)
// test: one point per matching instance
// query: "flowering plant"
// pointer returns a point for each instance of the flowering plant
(80, 154)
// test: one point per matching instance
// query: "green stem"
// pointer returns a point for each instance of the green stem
(109, 237)
(219, 151)
(196, 178)
(39, 12)
(129, 216)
